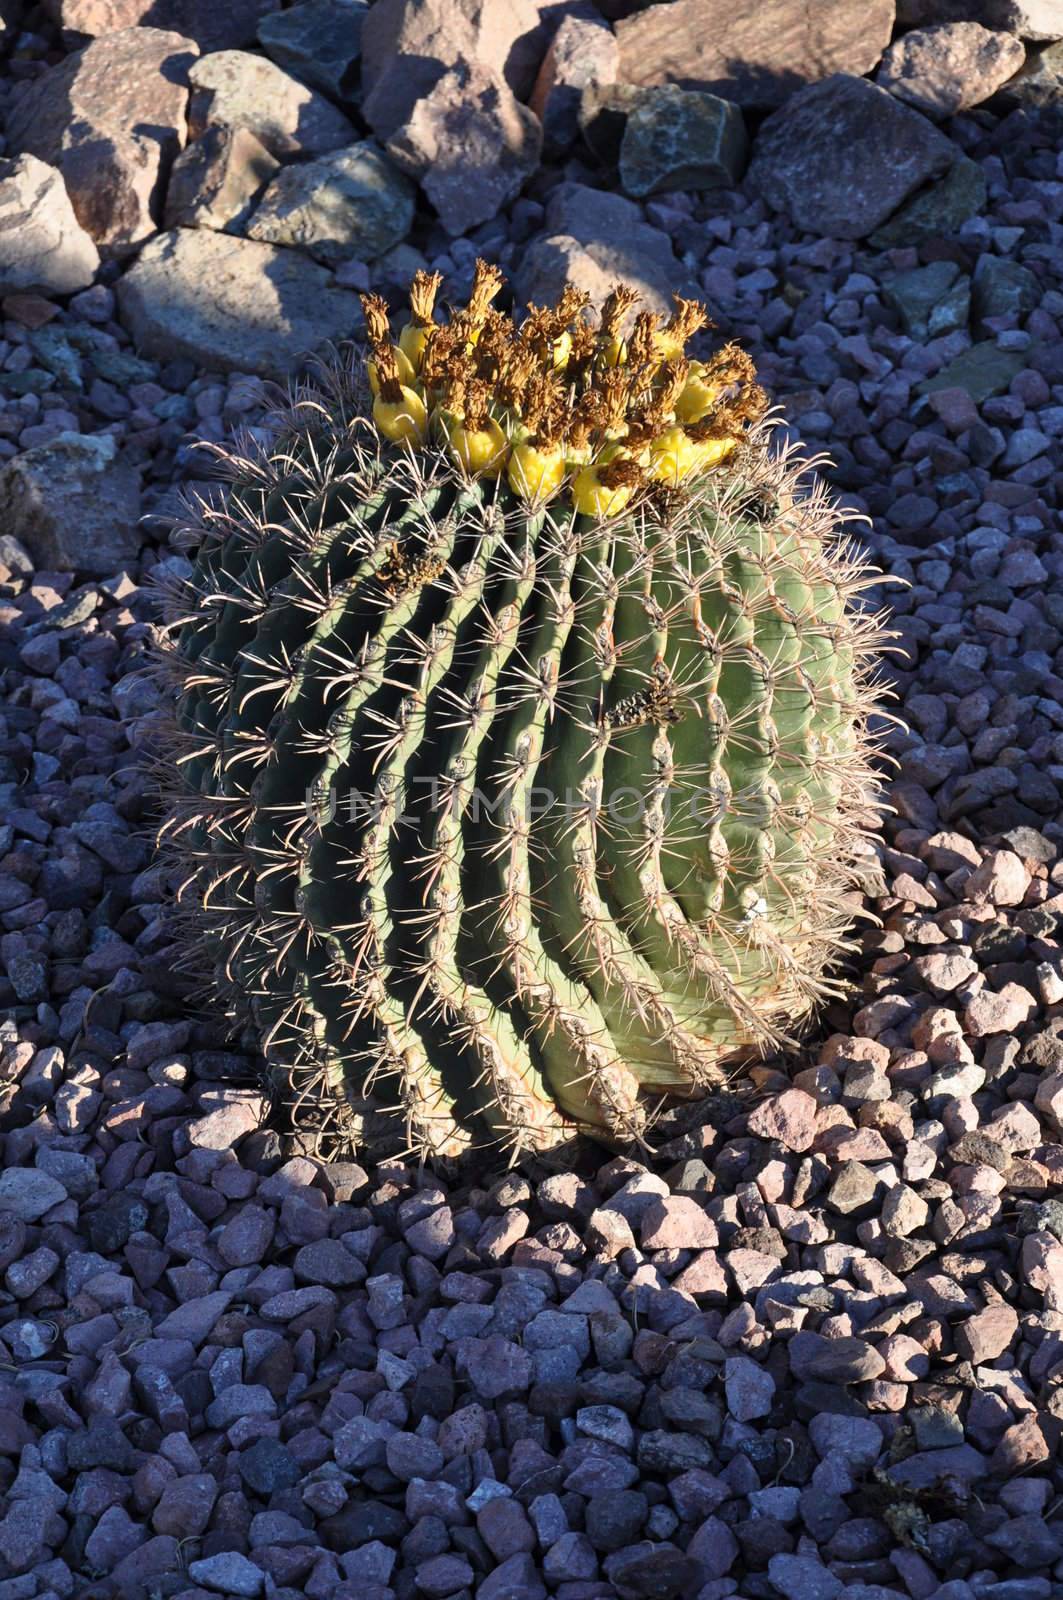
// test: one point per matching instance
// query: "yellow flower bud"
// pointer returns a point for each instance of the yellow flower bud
(406, 373)
(698, 397)
(614, 352)
(412, 341)
(404, 420)
(710, 452)
(533, 473)
(673, 456)
(481, 451)
(668, 346)
(593, 498)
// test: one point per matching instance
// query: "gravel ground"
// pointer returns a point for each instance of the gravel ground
(813, 1349)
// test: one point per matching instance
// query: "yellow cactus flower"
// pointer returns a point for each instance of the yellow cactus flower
(593, 498)
(710, 452)
(688, 316)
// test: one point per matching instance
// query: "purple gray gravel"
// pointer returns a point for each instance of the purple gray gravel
(813, 1345)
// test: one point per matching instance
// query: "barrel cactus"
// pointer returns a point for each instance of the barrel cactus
(521, 736)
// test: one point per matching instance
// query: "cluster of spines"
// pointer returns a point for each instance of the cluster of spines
(365, 617)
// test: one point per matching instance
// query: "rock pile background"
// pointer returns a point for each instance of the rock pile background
(810, 1347)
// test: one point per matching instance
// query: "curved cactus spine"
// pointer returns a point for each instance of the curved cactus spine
(518, 773)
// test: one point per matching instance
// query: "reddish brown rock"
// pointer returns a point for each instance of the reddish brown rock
(1001, 879)
(676, 1222)
(789, 1117)
(755, 52)
(471, 145)
(212, 26)
(987, 1335)
(217, 179)
(112, 119)
(583, 54)
(1000, 1011)
(408, 45)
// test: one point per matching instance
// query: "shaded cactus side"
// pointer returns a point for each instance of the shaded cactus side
(508, 804)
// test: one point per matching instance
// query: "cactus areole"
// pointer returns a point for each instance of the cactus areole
(521, 720)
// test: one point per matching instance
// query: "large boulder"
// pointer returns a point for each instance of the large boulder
(592, 238)
(112, 119)
(408, 45)
(74, 503)
(43, 247)
(232, 304)
(949, 67)
(212, 26)
(319, 41)
(235, 89)
(843, 154)
(755, 52)
(471, 145)
(350, 202)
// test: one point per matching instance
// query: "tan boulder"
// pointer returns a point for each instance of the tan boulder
(112, 119)
(43, 247)
(754, 52)
(470, 144)
(583, 54)
(236, 89)
(408, 45)
(949, 67)
(212, 26)
(217, 179)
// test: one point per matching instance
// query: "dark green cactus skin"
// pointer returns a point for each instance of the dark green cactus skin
(381, 673)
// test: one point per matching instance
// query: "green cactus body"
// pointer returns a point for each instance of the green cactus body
(503, 817)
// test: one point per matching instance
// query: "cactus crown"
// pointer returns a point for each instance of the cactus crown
(556, 401)
(520, 755)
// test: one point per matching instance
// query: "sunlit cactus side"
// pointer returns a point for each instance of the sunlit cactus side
(520, 755)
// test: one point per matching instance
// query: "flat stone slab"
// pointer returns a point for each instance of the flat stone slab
(232, 304)
(755, 52)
